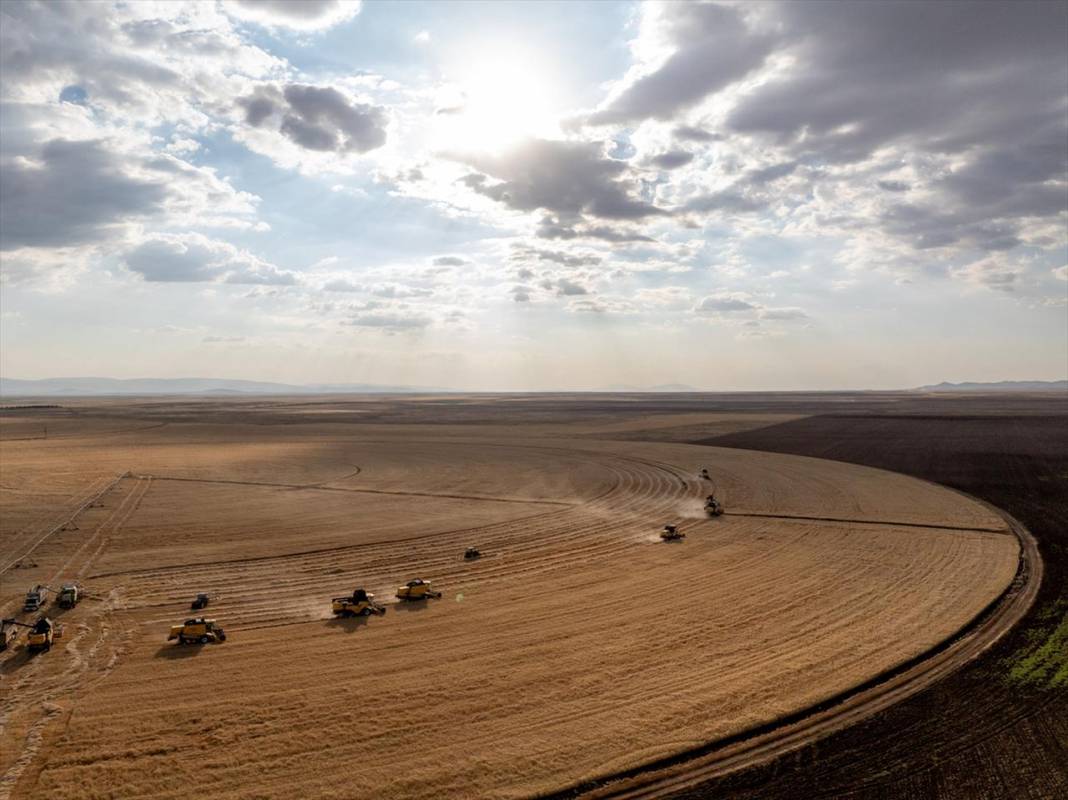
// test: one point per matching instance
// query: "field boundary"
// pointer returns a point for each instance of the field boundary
(776, 738)
(961, 528)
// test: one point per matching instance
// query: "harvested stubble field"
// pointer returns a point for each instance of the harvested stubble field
(578, 647)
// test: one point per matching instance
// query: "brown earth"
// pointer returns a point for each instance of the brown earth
(579, 646)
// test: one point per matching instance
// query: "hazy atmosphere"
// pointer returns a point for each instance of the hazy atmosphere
(535, 196)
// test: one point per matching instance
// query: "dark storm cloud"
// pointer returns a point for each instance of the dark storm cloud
(714, 47)
(317, 118)
(75, 194)
(568, 179)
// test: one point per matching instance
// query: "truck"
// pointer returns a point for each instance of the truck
(68, 596)
(35, 598)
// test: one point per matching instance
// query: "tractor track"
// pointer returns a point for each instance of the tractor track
(774, 739)
(69, 517)
(265, 592)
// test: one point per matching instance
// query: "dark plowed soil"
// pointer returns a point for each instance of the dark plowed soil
(999, 728)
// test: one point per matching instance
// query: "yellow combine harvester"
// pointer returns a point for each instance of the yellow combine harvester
(197, 631)
(361, 604)
(418, 589)
(42, 635)
(671, 533)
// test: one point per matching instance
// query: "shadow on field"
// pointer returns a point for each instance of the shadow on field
(180, 651)
(20, 659)
(408, 606)
(347, 624)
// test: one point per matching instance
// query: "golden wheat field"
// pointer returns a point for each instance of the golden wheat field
(578, 645)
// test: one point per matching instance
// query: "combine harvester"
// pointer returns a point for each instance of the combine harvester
(70, 594)
(671, 533)
(197, 631)
(713, 507)
(417, 589)
(361, 604)
(42, 635)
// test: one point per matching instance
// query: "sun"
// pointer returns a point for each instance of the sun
(497, 98)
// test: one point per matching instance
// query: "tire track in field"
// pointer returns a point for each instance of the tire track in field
(771, 740)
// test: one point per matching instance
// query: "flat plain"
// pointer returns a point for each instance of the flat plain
(579, 646)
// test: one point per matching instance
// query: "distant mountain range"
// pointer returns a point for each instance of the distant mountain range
(57, 387)
(663, 387)
(73, 387)
(998, 386)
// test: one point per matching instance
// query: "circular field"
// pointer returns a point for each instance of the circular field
(579, 646)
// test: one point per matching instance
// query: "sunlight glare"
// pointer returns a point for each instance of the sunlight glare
(498, 99)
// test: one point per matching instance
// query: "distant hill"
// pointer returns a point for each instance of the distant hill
(663, 387)
(57, 387)
(999, 386)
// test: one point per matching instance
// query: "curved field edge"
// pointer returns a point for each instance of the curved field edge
(770, 740)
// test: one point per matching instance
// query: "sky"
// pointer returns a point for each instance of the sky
(535, 196)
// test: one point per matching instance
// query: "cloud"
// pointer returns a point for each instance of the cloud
(394, 321)
(712, 46)
(556, 257)
(568, 179)
(728, 200)
(302, 15)
(222, 339)
(553, 228)
(899, 125)
(724, 302)
(689, 133)
(394, 290)
(72, 193)
(193, 258)
(568, 288)
(991, 273)
(1061, 273)
(449, 261)
(341, 285)
(316, 118)
(782, 313)
(672, 159)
